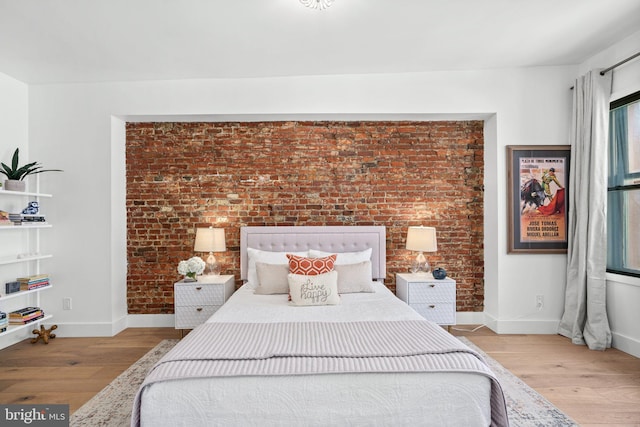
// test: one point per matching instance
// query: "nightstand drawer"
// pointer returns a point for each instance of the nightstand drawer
(188, 317)
(430, 292)
(195, 294)
(433, 299)
(441, 313)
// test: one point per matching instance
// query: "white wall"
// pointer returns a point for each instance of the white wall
(78, 128)
(13, 118)
(623, 292)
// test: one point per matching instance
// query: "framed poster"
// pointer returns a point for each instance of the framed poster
(537, 177)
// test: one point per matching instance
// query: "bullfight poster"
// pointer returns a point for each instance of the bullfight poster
(538, 177)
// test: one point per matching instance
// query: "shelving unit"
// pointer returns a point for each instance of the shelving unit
(27, 253)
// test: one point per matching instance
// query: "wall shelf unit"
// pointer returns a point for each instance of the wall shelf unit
(23, 259)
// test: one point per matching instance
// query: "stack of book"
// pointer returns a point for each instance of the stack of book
(33, 282)
(4, 321)
(25, 315)
(19, 219)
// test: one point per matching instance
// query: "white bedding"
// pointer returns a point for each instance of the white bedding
(432, 399)
(380, 305)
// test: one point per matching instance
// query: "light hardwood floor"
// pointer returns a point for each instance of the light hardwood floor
(594, 388)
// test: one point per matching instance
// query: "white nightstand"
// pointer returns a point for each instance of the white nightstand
(195, 302)
(434, 299)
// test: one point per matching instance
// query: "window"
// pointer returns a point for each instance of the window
(623, 205)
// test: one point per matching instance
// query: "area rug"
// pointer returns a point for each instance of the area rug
(525, 406)
(111, 407)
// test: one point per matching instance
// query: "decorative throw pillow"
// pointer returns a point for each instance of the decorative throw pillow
(354, 277)
(257, 255)
(272, 278)
(310, 266)
(319, 289)
(344, 257)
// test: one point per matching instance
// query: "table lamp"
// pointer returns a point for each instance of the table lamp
(422, 239)
(210, 240)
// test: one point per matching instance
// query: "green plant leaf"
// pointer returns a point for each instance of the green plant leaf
(19, 173)
(14, 161)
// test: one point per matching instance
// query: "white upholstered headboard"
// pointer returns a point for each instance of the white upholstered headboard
(324, 238)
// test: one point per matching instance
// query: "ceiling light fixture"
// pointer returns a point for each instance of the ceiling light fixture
(317, 4)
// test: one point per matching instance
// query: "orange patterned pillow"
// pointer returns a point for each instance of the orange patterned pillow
(310, 266)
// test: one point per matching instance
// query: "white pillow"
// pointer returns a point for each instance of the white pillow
(344, 257)
(272, 278)
(268, 257)
(354, 278)
(321, 289)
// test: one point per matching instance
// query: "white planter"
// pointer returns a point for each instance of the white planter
(14, 185)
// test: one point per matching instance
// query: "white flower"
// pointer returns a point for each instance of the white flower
(194, 265)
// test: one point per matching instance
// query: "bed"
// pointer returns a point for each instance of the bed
(358, 357)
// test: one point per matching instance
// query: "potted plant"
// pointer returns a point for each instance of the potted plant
(15, 174)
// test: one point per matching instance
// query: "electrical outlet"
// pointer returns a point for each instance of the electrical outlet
(66, 303)
(539, 301)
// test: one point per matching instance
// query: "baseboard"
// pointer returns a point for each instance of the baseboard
(104, 329)
(83, 330)
(469, 318)
(151, 321)
(521, 326)
(627, 344)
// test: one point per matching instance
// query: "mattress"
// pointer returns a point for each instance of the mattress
(363, 398)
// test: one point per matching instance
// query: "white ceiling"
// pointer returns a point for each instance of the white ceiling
(118, 40)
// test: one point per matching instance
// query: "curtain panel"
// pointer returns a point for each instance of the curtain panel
(585, 318)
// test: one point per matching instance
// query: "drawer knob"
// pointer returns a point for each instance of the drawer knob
(432, 306)
(199, 288)
(199, 309)
(431, 285)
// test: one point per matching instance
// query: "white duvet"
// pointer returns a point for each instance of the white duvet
(380, 305)
(375, 399)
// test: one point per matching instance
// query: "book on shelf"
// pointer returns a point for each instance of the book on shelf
(25, 315)
(33, 277)
(32, 286)
(25, 321)
(32, 218)
(23, 312)
(33, 282)
(11, 287)
(19, 219)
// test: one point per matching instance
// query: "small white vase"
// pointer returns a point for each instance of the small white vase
(14, 185)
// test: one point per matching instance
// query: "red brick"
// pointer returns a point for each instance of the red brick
(180, 176)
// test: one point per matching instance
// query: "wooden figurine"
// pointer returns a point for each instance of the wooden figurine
(44, 333)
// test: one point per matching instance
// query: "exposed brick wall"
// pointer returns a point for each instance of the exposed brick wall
(186, 175)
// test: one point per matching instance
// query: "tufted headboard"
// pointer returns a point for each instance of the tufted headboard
(324, 238)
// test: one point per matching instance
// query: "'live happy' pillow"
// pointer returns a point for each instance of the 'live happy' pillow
(310, 266)
(319, 289)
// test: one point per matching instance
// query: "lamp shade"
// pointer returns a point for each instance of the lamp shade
(422, 239)
(210, 240)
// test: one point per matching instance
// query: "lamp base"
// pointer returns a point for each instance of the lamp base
(212, 268)
(420, 265)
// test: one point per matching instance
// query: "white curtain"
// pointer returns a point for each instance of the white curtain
(585, 316)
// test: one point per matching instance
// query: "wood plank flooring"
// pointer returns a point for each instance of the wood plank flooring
(71, 370)
(595, 388)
